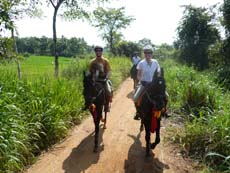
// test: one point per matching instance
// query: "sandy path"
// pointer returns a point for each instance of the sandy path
(122, 147)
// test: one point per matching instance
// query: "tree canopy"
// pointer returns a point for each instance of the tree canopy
(109, 22)
(195, 34)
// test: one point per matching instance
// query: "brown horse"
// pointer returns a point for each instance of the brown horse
(95, 101)
(152, 105)
(133, 74)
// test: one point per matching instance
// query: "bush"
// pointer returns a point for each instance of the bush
(223, 76)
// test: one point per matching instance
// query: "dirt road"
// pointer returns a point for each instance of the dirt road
(122, 148)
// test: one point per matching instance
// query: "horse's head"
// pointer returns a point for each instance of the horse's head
(133, 72)
(92, 90)
(157, 89)
(88, 84)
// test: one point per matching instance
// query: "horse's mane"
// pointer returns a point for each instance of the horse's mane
(91, 89)
(158, 83)
(155, 91)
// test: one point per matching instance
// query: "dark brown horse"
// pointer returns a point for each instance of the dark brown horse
(153, 104)
(94, 95)
(133, 74)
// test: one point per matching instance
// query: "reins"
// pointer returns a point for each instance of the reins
(152, 100)
(102, 90)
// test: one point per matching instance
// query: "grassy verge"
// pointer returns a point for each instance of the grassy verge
(205, 107)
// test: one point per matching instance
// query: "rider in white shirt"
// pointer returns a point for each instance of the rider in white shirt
(146, 69)
(135, 58)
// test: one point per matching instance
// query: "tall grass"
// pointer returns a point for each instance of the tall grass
(206, 109)
(120, 69)
(38, 110)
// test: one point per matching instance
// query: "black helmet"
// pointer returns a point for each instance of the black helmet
(98, 48)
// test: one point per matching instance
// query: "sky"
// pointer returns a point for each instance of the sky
(156, 20)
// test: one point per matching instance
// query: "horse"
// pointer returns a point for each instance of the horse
(133, 74)
(95, 99)
(152, 106)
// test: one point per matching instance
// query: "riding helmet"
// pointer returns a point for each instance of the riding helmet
(98, 48)
(148, 49)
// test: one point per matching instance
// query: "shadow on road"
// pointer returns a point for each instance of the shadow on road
(82, 157)
(138, 163)
(130, 95)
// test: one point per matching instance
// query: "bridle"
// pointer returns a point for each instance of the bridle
(101, 91)
(153, 98)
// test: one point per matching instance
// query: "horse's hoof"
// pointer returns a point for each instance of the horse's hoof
(136, 117)
(153, 145)
(104, 127)
(157, 141)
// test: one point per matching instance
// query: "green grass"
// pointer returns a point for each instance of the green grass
(36, 65)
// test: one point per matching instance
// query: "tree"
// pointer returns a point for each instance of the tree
(195, 34)
(109, 22)
(226, 43)
(10, 11)
(70, 9)
(163, 51)
(128, 48)
(145, 41)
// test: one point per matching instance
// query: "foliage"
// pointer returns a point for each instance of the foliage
(127, 48)
(110, 21)
(226, 51)
(206, 108)
(223, 76)
(196, 32)
(6, 49)
(226, 15)
(15, 9)
(44, 46)
(163, 51)
(145, 42)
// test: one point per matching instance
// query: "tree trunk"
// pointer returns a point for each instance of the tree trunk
(111, 43)
(16, 51)
(56, 69)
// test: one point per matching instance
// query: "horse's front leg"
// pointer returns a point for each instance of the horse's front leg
(142, 125)
(105, 119)
(147, 137)
(157, 139)
(134, 83)
(106, 110)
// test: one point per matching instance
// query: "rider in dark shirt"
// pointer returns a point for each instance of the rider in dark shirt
(100, 68)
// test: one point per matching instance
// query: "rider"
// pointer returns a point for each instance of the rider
(133, 71)
(145, 72)
(100, 68)
(135, 59)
